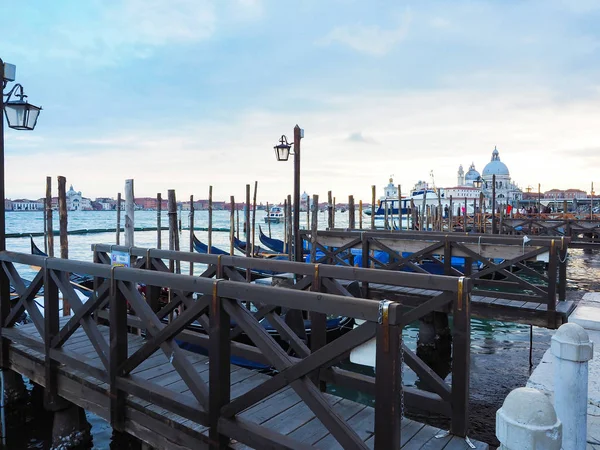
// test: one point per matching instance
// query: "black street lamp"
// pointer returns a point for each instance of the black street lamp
(282, 152)
(478, 183)
(20, 115)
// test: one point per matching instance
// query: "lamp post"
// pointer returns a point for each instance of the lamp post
(20, 115)
(282, 152)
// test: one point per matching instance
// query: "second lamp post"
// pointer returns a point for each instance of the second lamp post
(282, 152)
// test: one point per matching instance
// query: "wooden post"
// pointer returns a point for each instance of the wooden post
(219, 348)
(373, 207)
(388, 385)
(482, 219)
(360, 214)
(451, 215)
(413, 213)
(385, 214)
(191, 232)
(329, 210)
(423, 211)
(565, 208)
(174, 266)
(118, 232)
(539, 200)
(159, 221)
(210, 210)
(247, 221)
(461, 357)
(180, 209)
(289, 228)
(49, 224)
(231, 224)
(118, 355)
(253, 217)
(237, 212)
(129, 213)
(351, 217)
(466, 219)
(313, 230)
(493, 204)
(308, 212)
(45, 227)
(286, 219)
(268, 220)
(400, 206)
(439, 212)
(64, 239)
(333, 222)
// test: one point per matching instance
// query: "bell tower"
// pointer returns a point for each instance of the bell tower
(461, 176)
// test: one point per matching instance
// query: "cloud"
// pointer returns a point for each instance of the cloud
(359, 137)
(372, 40)
(426, 130)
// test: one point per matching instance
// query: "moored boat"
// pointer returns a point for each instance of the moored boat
(275, 215)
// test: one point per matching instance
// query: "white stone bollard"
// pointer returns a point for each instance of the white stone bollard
(572, 349)
(527, 421)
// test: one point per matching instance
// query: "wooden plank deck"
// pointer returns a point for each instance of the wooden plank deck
(283, 412)
(487, 307)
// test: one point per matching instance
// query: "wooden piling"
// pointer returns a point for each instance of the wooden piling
(451, 215)
(329, 210)
(351, 211)
(466, 215)
(439, 212)
(180, 209)
(64, 240)
(385, 215)
(482, 220)
(191, 232)
(360, 214)
(237, 213)
(313, 230)
(494, 204)
(118, 233)
(159, 220)
(129, 213)
(286, 220)
(231, 225)
(268, 220)
(45, 227)
(289, 228)
(373, 207)
(210, 210)
(253, 216)
(334, 211)
(49, 225)
(173, 234)
(400, 206)
(247, 221)
(308, 212)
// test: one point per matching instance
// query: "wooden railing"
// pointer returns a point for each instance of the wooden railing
(211, 304)
(580, 230)
(503, 263)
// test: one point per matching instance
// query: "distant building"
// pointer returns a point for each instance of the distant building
(150, 203)
(7, 205)
(107, 204)
(567, 194)
(76, 202)
(462, 192)
(27, 205)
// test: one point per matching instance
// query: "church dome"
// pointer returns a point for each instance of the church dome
(495, 166)
(472, 174)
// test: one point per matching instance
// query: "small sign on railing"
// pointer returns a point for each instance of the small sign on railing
(120, 259)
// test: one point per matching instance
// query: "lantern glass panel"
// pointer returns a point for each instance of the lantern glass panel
(21, 115)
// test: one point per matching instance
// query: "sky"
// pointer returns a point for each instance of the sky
(183, 94)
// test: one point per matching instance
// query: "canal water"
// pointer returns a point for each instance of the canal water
(500, 351)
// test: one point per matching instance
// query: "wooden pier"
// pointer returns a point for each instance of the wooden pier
(118, 355)
(506, 285)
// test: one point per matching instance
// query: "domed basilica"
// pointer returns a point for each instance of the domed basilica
(507, 192)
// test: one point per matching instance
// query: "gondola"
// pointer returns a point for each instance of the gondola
(259, 252)
(277, 245)
(85, 283)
